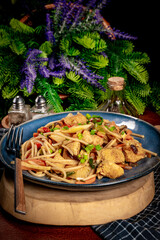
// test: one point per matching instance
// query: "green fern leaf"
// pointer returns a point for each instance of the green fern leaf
(100, 45)
(9, 71)
(78, 104)
(136, 70)
(155, 96)
(21, 27)
(4, 38)
(134, 100)
(50, 94)
(85, 41)
(58, 81)
(98, 61)
(40, 29)
(139, 57)
(81, 91)
(73, 52)
(18, 47)
(46, 47)
(142, 90)
(8, 92)
(64, 44)
(73, 76)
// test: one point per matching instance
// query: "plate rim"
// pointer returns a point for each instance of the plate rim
(79, 187)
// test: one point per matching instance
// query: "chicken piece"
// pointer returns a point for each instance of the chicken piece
(74, 147)
(75, 119)
(87, 137)
(92, 139)
(133, 151)
(57, 138)
(81, 173)
(56, 160)
(76, 129)
(112, 155)
(97, 140)
(110, 169)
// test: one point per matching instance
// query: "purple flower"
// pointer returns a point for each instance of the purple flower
(79, 68)
(29, 69)
(58, 74)
(30, 76)
(49, 32)
(51, 63)
(44, 71)
(123, 35)
(32, 55)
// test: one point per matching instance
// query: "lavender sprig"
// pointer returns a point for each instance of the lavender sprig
(49, 32)
(30, 76)
(123, 35)
(79, 68)
(29, 68)
(67, 18)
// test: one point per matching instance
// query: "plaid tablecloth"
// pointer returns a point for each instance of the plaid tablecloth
(143, 226)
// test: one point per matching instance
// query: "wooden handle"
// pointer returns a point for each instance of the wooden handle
(19, 195)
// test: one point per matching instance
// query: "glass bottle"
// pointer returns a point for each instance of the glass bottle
(116, 102)
(17, 113)
(40, 109)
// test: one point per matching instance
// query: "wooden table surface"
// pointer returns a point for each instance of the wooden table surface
(13, 229)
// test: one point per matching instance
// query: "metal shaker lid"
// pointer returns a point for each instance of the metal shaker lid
(18, 102)
(40, 102)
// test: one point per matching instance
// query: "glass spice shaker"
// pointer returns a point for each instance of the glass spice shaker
(17, 113)
(116, 102)
(40, 109)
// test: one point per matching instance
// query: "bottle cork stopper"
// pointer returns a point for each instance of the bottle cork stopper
(116, 83)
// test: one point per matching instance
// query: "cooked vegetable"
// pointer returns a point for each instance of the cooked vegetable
(79, 148)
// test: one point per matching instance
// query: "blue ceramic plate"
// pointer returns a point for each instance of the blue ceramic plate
(145, 166)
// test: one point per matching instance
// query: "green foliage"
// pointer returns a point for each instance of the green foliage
(85, 41)
(50, 93)
(18, 47)
(81, 90)
(20, 27)
(97, 61)
(78, 104)
(154, 98)
(86, 44)
(46, 47)
(136, 101)
(8, 92)
(73, 76)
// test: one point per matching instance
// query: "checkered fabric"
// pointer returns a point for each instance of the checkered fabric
(143, 226)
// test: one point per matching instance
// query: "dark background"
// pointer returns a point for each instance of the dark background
(139, 18)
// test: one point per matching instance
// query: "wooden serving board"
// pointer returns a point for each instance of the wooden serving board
(58, 207)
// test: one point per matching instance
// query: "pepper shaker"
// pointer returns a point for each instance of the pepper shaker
(40, 109)
(17, 113)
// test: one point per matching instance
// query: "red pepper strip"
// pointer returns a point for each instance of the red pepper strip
(128, 136)
(38, 145)
(89, 181)
(35, 134)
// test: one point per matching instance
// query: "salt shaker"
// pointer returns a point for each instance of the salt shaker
(17, 113)
(40, 109)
